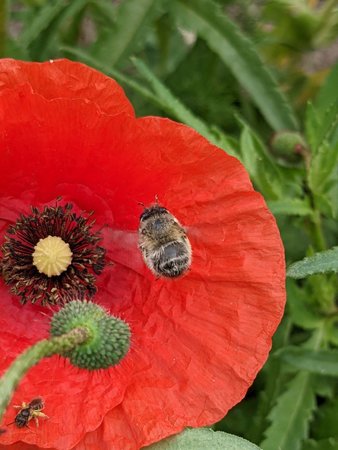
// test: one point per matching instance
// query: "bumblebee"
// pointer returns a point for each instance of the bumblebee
(163, 242)
(29, 411)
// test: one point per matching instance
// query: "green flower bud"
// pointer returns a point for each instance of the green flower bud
(288, 145)
(109, 337)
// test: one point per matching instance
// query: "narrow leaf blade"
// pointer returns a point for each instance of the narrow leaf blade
(328, 93)
(261, 167)
(133, 16)
(41, 22)
(239, 54)
(161, 97)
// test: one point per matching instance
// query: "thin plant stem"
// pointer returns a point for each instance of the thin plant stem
(317, 232)
(42, 349)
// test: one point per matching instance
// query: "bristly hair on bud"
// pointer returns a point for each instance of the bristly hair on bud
(110, 336)
(52, 256)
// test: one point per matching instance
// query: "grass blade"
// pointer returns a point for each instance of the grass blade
(239, 54)
(161, 97)
(43, 19)
(133, 16)
(119, 76)
(261, 167)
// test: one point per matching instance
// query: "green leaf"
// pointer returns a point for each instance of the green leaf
(291, 415)
(325, 387)
(323, 444)
(326, 261)
(323, 167)
(290, 207)
(212, 101)
(42, 20)
(295, 240)
(170, 103)
(261, 167)
(325, 423)
(176, 108)
(322, 135)
(238, 53)
(119, 76)
(51, 25)
(69, 22)
(274, 384)
(323, 362)
(203, 439)
(321, 125)
(133, 16)
(328, 93)
(332, 332)
(14, 50)
(312, 125)
(238, 420)
(302, 311)
(105, 10)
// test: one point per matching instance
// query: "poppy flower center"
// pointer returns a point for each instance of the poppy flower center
(52, 256)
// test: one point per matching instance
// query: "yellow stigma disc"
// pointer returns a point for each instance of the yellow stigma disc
(52, 256)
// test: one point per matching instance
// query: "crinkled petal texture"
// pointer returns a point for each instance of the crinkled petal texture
(197, 341)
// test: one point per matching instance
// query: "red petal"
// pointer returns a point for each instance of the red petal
(62, 78)
(198, 341)
(21, 446)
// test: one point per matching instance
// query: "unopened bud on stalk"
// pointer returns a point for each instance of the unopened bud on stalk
(81, 331)
(109, 336)
(288, 145)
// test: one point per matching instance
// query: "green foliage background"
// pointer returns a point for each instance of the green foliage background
(260, 80)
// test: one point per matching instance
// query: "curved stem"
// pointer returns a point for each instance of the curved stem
(42, 349)
(318, 236)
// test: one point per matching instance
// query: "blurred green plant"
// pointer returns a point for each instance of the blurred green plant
(259, 80)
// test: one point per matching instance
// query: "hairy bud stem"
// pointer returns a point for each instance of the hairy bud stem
(43, 349)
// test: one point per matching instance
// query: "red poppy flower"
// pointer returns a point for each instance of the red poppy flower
(197, 341)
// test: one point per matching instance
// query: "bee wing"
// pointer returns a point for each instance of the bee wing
(124, 248)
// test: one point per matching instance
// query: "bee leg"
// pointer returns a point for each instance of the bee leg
(41, 414)
(36, 420)
(24, 405)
